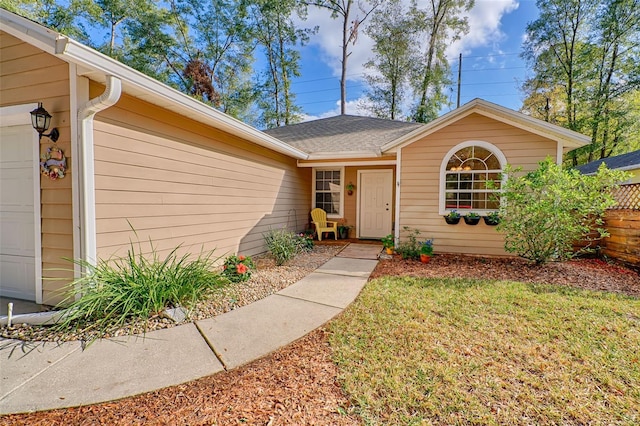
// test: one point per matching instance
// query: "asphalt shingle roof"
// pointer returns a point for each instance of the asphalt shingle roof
(342, 133)
(617, 162)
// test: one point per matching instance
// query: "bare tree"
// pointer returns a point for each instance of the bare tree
(350, 27)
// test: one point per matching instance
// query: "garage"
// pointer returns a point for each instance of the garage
(19, 219)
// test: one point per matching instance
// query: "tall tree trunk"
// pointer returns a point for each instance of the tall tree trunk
(346, 37)
(284, 73)
(112, 41)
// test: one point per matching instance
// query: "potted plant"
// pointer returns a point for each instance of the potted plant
(343, 229)
(426, 251)
(388, 243)
(492, 218)
(350, 188)
(471, 218)
(452, 218)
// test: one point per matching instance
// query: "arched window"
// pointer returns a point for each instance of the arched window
(470, 178)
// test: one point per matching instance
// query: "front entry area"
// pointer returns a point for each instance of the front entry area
(375, 203)
(19, 218)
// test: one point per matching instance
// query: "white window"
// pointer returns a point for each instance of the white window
(471, 178)
(327, 190)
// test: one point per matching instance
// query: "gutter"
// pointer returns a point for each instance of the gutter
(160, 94)
(86, 112)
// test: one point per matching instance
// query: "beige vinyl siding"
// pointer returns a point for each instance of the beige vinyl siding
(178, 182)
(29, 75)
(420, 180)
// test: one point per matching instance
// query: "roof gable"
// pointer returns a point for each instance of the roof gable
(567, 138)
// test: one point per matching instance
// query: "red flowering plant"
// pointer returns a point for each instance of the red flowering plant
(237, 268)
(304, 242)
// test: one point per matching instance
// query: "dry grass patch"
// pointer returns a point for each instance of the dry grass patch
(461, 351)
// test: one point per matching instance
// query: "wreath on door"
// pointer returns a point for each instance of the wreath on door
(53, 163)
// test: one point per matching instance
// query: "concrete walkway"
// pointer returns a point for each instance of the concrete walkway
(41, 376)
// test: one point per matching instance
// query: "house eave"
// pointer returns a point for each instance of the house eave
(567, 138)
(95, 66)
(347, 163)
(624, 169)
(343, 155)
(29, 31)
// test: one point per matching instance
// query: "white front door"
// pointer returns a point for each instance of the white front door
(375, 203)
(17, 212)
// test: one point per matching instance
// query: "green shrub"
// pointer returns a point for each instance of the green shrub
(238, 268)
(282, 244)
(410, 247)
(545, 211)
(136, 287)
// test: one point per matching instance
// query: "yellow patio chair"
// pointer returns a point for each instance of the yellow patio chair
(319, 218)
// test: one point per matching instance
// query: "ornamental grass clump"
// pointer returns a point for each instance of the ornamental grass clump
(238, 268)
(284, 244)
(136, 287)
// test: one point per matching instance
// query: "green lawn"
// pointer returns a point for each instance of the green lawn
(456, 351)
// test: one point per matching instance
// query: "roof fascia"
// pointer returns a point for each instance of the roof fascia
(28, 31)
(569, 138)
(624, 169)
(84, 55)
(347, 163)
(156, 92)
(343, 155)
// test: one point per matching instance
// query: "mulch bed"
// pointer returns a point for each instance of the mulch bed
(586, 273)
(293, 386)
(298, 384)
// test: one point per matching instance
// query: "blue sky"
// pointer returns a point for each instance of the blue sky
(491, 66)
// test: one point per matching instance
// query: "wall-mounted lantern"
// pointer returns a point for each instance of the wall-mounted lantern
(40, 120)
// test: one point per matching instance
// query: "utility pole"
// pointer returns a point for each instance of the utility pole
(459, 78)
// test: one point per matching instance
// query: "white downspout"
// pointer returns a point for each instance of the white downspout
(396, 231)
(86, 113)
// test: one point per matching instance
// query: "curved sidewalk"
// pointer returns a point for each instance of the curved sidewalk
(36, 377)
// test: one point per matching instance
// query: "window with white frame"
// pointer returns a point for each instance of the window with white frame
(328, 190)
(471, 178)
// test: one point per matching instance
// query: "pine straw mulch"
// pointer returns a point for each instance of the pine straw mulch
(293, 386)
(297, 385)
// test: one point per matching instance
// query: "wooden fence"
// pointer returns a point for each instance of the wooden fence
(623, 224)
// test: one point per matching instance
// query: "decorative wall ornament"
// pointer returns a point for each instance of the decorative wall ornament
(53, 163)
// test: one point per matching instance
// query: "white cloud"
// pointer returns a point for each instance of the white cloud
(484, 26)
(329, 41)
(484, 30)
(352, 108)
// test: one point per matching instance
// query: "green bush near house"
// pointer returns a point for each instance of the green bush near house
(409, 247)
(137, 286)
(545, 211)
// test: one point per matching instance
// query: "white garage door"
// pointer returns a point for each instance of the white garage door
(17, 223)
